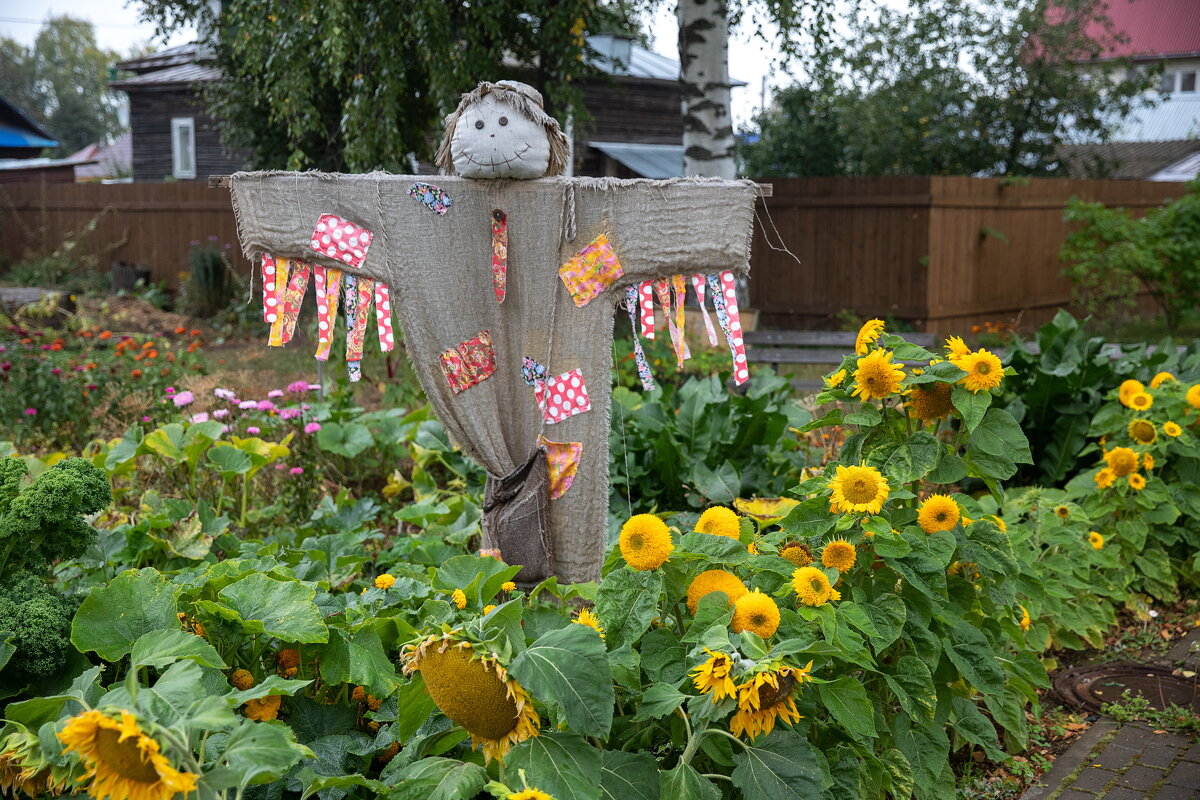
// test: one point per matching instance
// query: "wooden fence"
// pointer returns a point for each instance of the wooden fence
(148, 224)
(941, 253)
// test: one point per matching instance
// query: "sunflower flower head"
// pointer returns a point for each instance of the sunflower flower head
(508, 586)
(839, 554)
(1141, 401)
(1062, 512)
(871, 330)
(797, 553)
(1193, 396)
(1025, 622)
(812, 587)
(956, 347)
(983, 369)
(645, 542)
(1128, 389)
(1096, 540)
(1142, 431)
(755, 612)
(1161, 378)
(1122, 461)
(528, 793)
(713, 678)
(858, 489)
(1105, 478)
(241, 679)
(121, 760)
(928, 401)
(263, 709)
(459, 597)
(1137, 482)
(767, 697)
(588, 618)
(939, 512)
(719, 521)
(475, 691)
(877, 376)
(1147, 462)
(385, 581)
(714, 580)
(835, 380)
(1172, 429)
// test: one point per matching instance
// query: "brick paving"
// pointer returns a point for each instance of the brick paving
(1130, 761)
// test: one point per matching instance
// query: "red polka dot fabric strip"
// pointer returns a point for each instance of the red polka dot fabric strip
(646, 308)
(383, 318)
(341, 239)
(724, 297)
(563, 397)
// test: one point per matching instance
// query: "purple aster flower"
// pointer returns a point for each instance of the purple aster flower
(225, 394)
(252, 430)
(289, 413)
(220, 413)
(184, 399)
(296, 387)
(246, 405)
(265, 405)
(31, 412)
(201, 417)
(296, 471)
(312, 427)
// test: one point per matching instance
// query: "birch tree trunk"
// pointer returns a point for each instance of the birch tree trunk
(704, 83)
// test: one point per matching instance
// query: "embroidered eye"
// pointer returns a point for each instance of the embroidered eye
(504, 120)
(479, 123)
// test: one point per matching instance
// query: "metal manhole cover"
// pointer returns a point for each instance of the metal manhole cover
(1094, 685)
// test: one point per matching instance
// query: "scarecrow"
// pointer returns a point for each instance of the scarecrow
(504, 276)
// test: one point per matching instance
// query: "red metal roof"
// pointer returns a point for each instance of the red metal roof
(1154, 28)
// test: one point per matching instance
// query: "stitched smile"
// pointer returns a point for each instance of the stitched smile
(519, 156)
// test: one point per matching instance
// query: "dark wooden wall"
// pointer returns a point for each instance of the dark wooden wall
(62, 173)
(631, 110)
(151, 109)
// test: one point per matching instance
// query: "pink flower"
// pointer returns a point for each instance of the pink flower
(56, 371)
(312, 427)
(296, 471)
(247, 404)
(265, 405)
(45, 346)
(220, 413)
(92, 387)
(252, 430)
(31, 412)
(6, 366)
(298, 386)
(170, 390)
(184, 399)
(281, 466)
(224, 394)
(275, 393)
(201, 417)
(306, 406)
(314, 386)
(290, 413)
(145, 419)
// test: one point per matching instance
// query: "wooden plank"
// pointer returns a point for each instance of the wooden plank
(768, 355)
(222, 182)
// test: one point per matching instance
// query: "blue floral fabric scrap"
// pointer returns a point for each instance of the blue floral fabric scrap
(643, 368)
(432, 197)
(532, 372)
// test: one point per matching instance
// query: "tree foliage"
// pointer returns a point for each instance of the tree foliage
(62, 83)
(951, 87)
(353, 85)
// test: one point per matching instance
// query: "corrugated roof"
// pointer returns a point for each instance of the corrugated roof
(1186, 169)
(18, 129)
(181, 74)
(1130, 160)
(1155, 28)
(171, 57)
(1173, 119)
(643, 63)
(647, 160)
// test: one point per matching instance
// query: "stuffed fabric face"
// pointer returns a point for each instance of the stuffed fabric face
(492, 139)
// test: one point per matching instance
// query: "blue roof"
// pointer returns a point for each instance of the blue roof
(648, 160)
(12, 136)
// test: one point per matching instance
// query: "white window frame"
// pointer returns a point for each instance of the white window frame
(179, 124)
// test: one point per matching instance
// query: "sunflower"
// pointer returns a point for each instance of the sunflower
(755, 612)
(1128, 389)
(1122, 461)
(588, 618)
(1193, 396)
(812, 587)
(508, 586)
(384, 581)
(839, 554)
(766, 698)
(860, 488)
(1062, 512)
(714, 580)
(871, 330)
(1142, 431)
(956, 347)
(999, 522)
(835, 380)
(645, 542)
(983, 370)
(1025, 620)
(475, 691)
(876, 377)
(1147, 462)
(1096, 540)
(1161, 378)
(939, 512)
(263, 709)
(1141, 401)
(460, 599)
(930, 400)
(122, 762)
(23, 770)
(1171, 429)
(1105, 478)
(796, 553)
(719, 521)
(241, 679)
(712, 677)
(1137, 482)
(529, 793)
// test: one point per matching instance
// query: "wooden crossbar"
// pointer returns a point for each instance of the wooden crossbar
(222, 182)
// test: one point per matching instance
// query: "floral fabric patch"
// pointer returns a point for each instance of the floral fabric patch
(532, 372)
(698, 285)
(590, 271)
(285, 323)
(499, 254)
(632, 295)
(430, 196)
(356, 334)
(724, 296)
(663, 289)
(562, 461)
(341, 239)
(469, 363)
(328, 286)
(563, 397)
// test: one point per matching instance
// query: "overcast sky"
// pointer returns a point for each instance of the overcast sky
(118, 28)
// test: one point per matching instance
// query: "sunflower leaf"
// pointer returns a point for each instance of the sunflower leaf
(659, 700)
(628, 776)
(847, 701)
(783, 768)
(562, 765)
(627, 602)
(568, 669)
(115, 616)
(686, 783)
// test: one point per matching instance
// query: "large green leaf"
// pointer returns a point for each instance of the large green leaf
(627, 602)
(810, 518)
(347, 440)
(721, 485)
(115, 616)
(568, 668)
(229, 460)
(847, 701)
(261, 752)
(684, 783)
(628, 776)
(163, 647)
(912, 683)
(659, 700)
(888, 613)
(6, 647)
(973, 726)
(972, 405)
(972, 654)
(784, 767)
(264, 605)
(358, 658)
(914, 458)
(438, 779)
(563, 765)
(479, 578)
(166, 442)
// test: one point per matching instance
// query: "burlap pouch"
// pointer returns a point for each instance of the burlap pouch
(516, 518)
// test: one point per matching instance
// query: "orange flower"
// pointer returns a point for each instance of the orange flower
(137, 373)
(147, 345)
(194, 332)
(56, 346)
(180, 329)
(152, 354)
(105, 334)
(86, 334)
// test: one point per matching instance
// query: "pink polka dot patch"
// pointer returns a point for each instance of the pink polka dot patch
(563, 397)
(646, 308)
(341, 240)
(270, 296)
(383, 318)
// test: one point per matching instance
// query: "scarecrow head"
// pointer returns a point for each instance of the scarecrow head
(500, 130)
